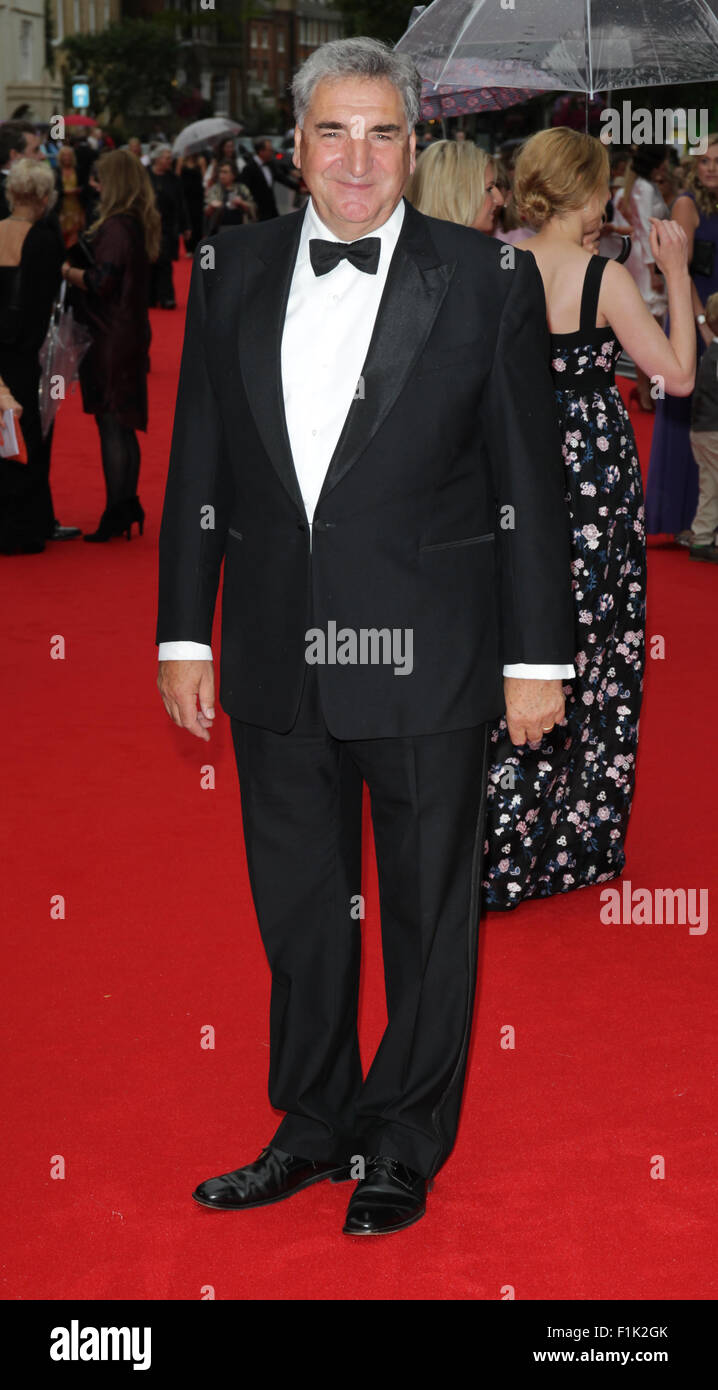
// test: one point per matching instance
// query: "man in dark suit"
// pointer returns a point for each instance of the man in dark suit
(175, 222)
(366, 433)
(259, 174)
(19, 140)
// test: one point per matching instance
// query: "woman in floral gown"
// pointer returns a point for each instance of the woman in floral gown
(558, 811)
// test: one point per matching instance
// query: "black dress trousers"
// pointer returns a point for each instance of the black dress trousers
(301, 796)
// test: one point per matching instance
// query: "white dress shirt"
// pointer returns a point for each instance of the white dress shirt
(335, 313)
(268, 176)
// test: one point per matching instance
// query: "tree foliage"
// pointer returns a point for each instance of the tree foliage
(131, 65)
(379, 19)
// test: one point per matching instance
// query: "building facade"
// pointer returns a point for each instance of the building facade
(280, 35)
(246, 68)
(25, 84)
(26, 45)
(80, 17)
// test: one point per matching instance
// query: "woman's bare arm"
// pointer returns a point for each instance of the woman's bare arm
(684, 213)
(674, 358)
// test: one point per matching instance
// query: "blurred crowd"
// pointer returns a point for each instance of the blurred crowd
(459, 181)
(111, 222)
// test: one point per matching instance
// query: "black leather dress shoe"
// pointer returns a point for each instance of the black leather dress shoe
(390, 1197)
(64, 533)
(272, 1176)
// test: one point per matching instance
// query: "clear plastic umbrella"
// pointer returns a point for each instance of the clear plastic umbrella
(200, 134)
(439, 100)
(567, 45)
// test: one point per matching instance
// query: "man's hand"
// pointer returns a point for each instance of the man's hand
(532, 708)
(180, 684)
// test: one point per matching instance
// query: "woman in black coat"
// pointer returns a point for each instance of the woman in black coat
(113, 374)
(31, 254)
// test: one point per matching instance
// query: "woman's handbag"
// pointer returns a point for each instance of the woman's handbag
(65, 345)
(80, 257)
(80, 254)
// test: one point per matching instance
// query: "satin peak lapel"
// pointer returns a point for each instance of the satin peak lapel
(268, 280)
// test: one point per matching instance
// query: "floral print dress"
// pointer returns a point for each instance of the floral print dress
(558, 814)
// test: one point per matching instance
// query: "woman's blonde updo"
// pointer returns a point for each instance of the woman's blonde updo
(449, 181)
(30, 182)
(557, 171)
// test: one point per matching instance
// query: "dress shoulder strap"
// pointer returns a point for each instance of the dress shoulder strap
(591, 291)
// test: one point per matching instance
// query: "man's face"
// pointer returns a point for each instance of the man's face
(355, 153)
(31, 148)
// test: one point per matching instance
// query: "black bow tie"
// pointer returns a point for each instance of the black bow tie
(325, 255)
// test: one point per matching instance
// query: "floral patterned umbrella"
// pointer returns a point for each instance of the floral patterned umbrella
(452, 101)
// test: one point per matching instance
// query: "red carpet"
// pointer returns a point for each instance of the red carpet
(548, 1192)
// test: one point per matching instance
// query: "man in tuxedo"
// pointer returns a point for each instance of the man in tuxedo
(396, 573)
(259, 174)
(19, 140)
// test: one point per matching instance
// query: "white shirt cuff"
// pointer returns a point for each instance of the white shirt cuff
(523, 671)
(184, 651)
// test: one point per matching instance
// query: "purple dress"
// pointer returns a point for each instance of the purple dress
(558, 814)
(672, 486)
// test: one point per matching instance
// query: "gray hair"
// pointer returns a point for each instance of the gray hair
(359, 57)
(30, 181)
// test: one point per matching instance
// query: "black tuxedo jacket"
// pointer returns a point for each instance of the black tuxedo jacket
(442, 510)
(263, 195)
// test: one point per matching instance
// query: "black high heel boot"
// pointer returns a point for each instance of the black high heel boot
(137, 513)
(113, 522)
